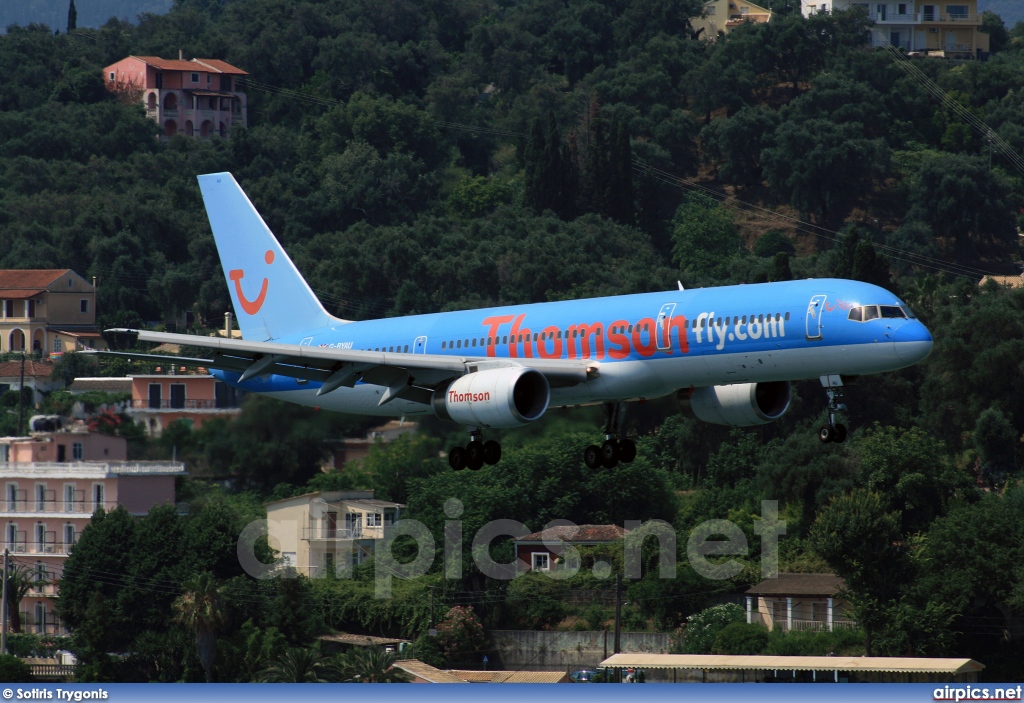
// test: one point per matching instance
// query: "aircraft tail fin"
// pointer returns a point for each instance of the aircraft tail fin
(270, 296)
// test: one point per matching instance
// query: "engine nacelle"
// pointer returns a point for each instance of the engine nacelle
(506, 397)
(740, 404)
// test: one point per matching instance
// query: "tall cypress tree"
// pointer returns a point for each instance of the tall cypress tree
(534, 155)
(72, 17)
(618, 199)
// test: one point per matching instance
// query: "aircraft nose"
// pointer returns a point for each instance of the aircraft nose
(912, 342)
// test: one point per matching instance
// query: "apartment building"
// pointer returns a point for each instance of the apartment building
(161, 398)
(196, 98)
(53, 482)
(326, 531)
(47, 311)
(949, 30)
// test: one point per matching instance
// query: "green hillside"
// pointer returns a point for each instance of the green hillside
(416, 157)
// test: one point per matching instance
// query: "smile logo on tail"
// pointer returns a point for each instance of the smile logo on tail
(251, 307)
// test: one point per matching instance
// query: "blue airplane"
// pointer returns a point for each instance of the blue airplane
(730, 353)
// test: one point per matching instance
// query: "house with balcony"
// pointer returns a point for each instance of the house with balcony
(196, 98)
(162, 398)
(722, 16)
(545, 550)
(53, 482)
(47, 311)
(799, 602)
(949, 30)
(329, 531)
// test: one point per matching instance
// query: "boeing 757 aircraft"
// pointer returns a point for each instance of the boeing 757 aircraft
(730, 352)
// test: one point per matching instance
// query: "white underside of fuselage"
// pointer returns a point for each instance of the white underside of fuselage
(635, 379)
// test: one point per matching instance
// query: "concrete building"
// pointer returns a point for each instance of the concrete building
(331, 530)
(47, 311)
(949, 30)
(162, 398)
(53, 482)
(197, 98)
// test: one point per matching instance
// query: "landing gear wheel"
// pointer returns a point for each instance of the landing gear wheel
(627, 451)
(474, 455)
(457, 458)
(826, 434)
(592, 457)
(840, 434)
(492, 452)
(610, 454)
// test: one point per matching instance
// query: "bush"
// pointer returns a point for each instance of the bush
(702, 628)
(816, 644)
(14, 670)
(741, 638)
(773, 242)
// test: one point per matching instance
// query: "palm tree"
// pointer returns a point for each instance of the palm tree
(201, 609)
(298, 665)
(369, 665)
(21, 578)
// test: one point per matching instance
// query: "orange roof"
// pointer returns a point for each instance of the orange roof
(214, 65)
(578, 533)
(33, 369)
(24, 279)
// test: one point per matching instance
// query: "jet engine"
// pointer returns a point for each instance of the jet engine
(738, 405)
(506, 397)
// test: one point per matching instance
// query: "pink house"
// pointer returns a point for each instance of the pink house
(198, 98)
(160, 399)
(52, 483)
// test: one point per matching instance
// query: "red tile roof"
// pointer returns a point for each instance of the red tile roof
(23, 279)
(214, 65)
(579, 533)
(33, 369)
(799, 585)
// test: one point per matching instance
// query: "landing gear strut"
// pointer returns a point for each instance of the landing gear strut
(613, 450)
(475, 454)
(833, 431)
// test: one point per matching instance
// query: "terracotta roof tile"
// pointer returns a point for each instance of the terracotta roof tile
(33, 369)
(212, 65)
(799, 585)
(579, 533)
(29, 278)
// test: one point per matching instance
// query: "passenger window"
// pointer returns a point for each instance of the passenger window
(460, 344)
(630, 330)
(787, 317)
(870, 312)
(443, 346)
(406, 349)
(857, 314)
(505, 338)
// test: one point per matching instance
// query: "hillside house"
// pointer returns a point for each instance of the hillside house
(196, 98)
(949, 30)
(47, 311)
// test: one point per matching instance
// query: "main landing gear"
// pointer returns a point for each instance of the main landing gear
(475, 454)
(613, 450)
(833, 431)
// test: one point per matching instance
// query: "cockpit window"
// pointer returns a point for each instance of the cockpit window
(909, 313)
(857, 314)
(893, 311)
(870, 312)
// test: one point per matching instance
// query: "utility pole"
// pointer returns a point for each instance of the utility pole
(3, 607)
(21, 395)
(618, 613)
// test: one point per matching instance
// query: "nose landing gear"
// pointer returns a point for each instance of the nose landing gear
(613, 450)
(833, 431)
(475, 454)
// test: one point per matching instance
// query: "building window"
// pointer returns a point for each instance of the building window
(541, 561)
(40, 537)
(12, 497)
(288, 559)
(40, 496)
(710, 10)
(12, 536)
(178, 395)
(40, 624)
(98, 496)
(112, 76)
(77, 451)
(30, 308)
(69, 498)
(57, 348)
(83, 305)
(195, 77)
(957, 11)
(8, 308)
(373, 519)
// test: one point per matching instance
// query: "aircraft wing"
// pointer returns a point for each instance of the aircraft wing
(409, 376)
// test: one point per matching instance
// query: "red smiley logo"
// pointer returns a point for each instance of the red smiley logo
(251, 307)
